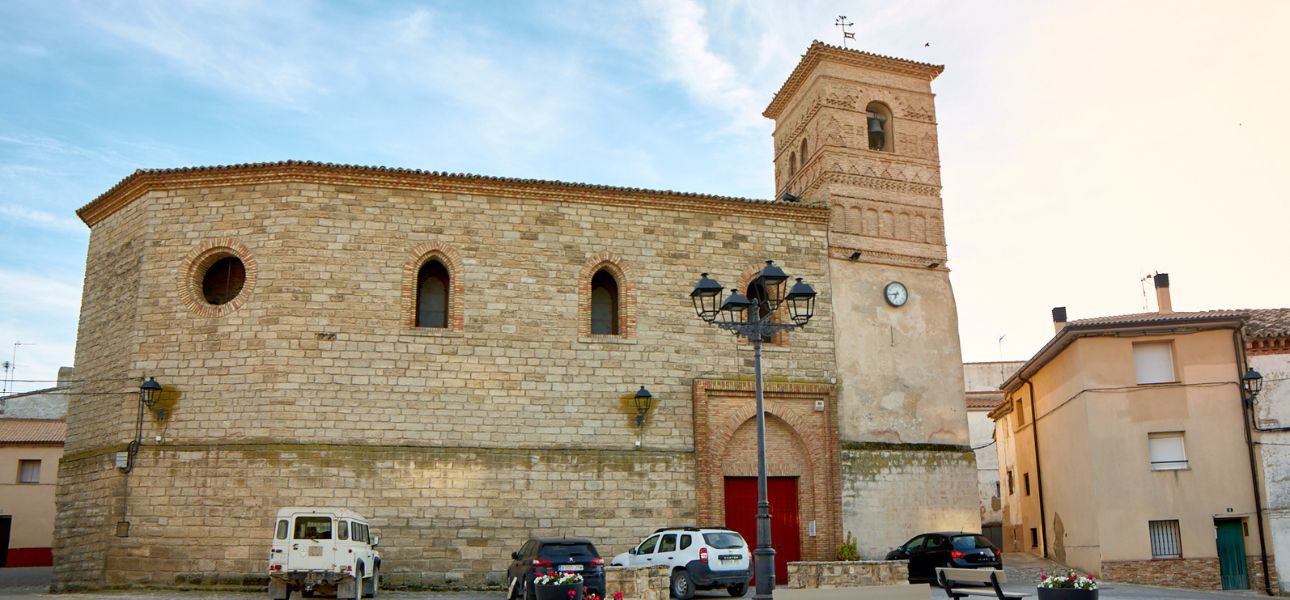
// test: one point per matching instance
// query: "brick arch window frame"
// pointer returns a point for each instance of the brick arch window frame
(617, 268)
(451, 261)
(779, 338)
(194, 265)
(882, 110)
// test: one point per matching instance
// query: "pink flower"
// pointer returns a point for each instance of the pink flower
(618, 596)
(573, 593)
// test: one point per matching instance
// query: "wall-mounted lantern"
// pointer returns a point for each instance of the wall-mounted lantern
(1252, 382)
(644, 402)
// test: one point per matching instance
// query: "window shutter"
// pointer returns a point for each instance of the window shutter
(1154, 362)
(1167, 451)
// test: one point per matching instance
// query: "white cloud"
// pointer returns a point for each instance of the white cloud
(40, 219)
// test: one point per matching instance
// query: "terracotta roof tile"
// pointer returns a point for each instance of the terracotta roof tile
(32, 431)
(1268, 323)
(1161, 318)
(984, 400)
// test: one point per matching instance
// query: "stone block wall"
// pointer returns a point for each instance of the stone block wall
(846, 574)
(929, 484)
(638, 583)
(447, 517)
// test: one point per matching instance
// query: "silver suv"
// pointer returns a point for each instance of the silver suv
(700, 558)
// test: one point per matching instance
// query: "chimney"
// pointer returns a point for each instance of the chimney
(1163, 303)
(1059, 319)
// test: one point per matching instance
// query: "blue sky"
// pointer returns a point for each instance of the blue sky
(1084, 143)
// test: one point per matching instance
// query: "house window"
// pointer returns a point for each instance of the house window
(879, 126)
(432, 295)
(1025, 482)
(1153, 362)
(1167, 451)
(604, 304)
(1012, 489)
(1034, 537)
(997, 490)
(1166, 542)
(28, 471)
(1019, 410)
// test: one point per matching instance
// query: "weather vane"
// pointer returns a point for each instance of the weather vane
(846, 35)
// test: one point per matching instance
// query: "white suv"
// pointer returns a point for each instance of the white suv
(323, 550)
(700, 558)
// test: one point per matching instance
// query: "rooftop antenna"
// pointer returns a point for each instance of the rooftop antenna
(844, 24)
(11, 366)
(1143, 283)
(1001, 347)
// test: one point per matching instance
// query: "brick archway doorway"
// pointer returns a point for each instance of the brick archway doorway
(802, 448)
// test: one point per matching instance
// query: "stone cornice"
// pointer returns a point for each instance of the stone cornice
(143, 181)
(820, 51)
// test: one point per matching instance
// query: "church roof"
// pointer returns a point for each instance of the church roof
(820, 50)
(143, 180)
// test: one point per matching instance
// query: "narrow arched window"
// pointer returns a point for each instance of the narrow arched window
(604, 304)
(432, 295)
(754, 293)
(881, 137)
(803, 152)
(792, 164)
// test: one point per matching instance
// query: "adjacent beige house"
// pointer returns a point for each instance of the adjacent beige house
(29, 453)
(981, 381)
(1123, 450)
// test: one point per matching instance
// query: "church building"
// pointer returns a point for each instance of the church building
(455, 356)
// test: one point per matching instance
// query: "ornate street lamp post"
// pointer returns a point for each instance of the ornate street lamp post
(751, 319)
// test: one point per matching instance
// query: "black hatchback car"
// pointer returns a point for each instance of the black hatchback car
(559, 555)
(946, 549)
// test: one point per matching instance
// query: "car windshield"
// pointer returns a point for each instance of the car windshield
(313, 528)
(724, 540)
(970, 542)
(571, 552)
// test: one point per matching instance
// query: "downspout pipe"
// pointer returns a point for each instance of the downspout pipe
(1238, 345)
(1039, 470)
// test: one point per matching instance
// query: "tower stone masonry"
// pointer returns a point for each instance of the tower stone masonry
(304, 379)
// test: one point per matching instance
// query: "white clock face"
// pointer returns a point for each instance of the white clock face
(896, 293)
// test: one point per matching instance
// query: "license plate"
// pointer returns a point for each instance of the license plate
(315, 551)
(570, 567)
(730, 557)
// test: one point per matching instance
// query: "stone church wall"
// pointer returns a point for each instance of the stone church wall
(310, 388)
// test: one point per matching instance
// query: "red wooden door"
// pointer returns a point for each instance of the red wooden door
(741, 516)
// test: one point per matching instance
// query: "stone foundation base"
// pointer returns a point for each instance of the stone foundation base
(1192, 573)
(848, 574)
(638, 583)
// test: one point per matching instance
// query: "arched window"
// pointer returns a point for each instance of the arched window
(881, 135)
(792, 164)
(432, 295)
(753, 292)
(803, 152)
(604, 304)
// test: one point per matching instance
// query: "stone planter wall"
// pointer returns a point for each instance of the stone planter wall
(839, 574)
(638, 583)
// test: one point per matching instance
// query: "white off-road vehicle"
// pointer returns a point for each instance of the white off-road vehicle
(323, 551)
(699, 558)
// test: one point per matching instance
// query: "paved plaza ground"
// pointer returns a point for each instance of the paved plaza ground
(1023, 571)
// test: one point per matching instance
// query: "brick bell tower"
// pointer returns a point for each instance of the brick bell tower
(856, 132)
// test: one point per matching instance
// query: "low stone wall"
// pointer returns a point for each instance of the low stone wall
(638, 583)
(1192, 573)
(843, 574)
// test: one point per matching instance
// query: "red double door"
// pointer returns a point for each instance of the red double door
(741, 516)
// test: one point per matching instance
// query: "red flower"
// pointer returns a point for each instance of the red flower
(573, 593)
(618, 596)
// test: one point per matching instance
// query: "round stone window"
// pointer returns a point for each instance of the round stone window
(223, 280)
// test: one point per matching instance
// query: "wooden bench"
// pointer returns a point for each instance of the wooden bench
(902, 591)
(954, 582)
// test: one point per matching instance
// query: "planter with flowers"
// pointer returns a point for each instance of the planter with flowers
(558, 586)
(1067, 586)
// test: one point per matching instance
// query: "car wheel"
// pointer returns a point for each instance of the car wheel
(374, 584)
(737, 590)
(682, 585)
